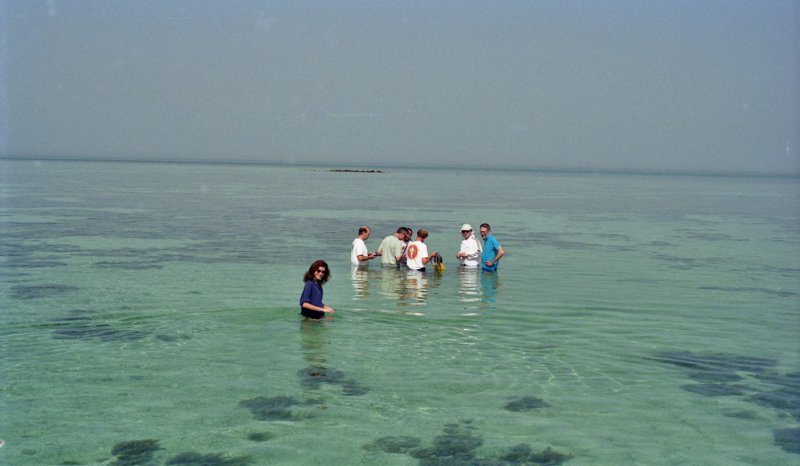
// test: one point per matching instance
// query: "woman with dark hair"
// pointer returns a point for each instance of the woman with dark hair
(311, 305)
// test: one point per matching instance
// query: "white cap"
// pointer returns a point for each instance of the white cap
(466, 227)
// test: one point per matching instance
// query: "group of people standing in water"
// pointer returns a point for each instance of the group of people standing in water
(397, 250)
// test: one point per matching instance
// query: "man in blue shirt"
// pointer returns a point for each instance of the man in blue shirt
(492, 251)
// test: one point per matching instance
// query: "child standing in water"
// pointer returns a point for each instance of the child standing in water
(311, 305)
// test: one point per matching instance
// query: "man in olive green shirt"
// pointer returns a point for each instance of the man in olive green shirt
(391, 248)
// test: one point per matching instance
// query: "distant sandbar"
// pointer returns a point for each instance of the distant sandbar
(353, 170)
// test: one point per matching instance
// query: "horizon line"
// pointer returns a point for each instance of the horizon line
(539, 169)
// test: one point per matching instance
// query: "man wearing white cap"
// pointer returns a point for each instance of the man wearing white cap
(470, 252)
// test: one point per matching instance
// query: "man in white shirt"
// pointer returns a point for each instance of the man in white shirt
(417, 252)
(470, 252)
(359, 254)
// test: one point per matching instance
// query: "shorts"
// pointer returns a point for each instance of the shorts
(311, 314)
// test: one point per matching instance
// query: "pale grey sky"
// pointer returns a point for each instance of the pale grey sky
(656, 85)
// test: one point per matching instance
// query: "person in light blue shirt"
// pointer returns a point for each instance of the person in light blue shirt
(492, 251)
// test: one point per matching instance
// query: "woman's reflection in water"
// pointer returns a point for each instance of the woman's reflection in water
(314, 339)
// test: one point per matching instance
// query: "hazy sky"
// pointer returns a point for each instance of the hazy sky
(666, 84)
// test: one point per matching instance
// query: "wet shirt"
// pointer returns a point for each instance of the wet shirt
(490, 250)
(390, 248)
(312, 293)
(359, 249)
(415, 253)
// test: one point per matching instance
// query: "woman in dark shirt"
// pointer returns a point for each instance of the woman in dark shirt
(311, 305)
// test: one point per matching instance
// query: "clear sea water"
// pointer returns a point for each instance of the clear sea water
(636, 319)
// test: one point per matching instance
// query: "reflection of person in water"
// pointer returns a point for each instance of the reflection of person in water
(469, 290)
(311, 305)
(314, 339)
(391, 282)
(415, 286)
(361, 280)
(490, 282)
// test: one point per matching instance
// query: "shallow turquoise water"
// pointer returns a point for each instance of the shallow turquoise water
(637, 319)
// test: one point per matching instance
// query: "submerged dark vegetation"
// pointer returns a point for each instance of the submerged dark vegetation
(313, 377)
(752, 378)
(82, 324)
(278, 408)
(457, 445)
(134, 452)
(143, 452)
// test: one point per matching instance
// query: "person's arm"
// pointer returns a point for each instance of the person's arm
(324, 308)
(500, 253)
(364, 257)
(427, 259)
(307, 296)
